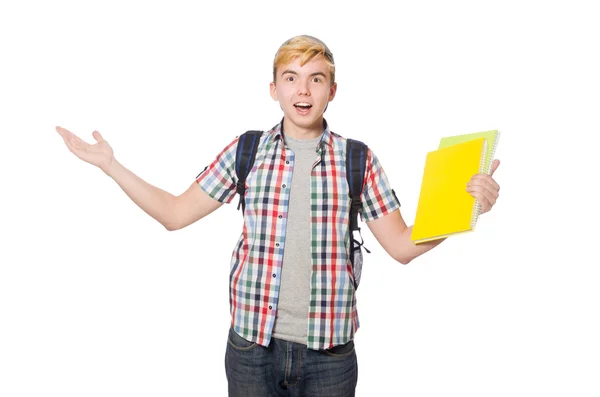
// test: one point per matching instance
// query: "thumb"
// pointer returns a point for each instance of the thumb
(97, 136)
(495, 165)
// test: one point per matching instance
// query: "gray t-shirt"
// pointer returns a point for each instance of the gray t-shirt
(294, 294)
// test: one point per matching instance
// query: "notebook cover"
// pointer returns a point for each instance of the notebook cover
(445, 207)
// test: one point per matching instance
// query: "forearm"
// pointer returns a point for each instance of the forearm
(154, 201)
(407, 250)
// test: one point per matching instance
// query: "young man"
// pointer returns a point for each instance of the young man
(292, 292)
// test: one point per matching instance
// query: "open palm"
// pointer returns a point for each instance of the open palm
(99, 154)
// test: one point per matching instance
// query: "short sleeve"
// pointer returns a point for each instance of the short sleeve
(378, 198)
(218, 179)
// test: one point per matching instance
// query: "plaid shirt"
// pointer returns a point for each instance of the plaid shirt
(257, 257)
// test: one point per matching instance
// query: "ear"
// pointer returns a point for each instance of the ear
(273, 91)
(332, 91)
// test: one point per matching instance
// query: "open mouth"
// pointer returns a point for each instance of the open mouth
(303, 105)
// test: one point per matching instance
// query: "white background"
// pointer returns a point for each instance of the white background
(98, 299)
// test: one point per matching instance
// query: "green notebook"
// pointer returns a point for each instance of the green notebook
(492, 138)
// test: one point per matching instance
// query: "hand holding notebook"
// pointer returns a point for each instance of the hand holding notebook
(484, 188)
(445, 206)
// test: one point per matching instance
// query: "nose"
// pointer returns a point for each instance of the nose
(303, 88)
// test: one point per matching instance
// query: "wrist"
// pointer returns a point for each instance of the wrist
(110, 167)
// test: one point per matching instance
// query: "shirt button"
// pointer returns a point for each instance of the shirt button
(276, 244)
(280, 217)
(270, 307)
(287, 162)
(283, 185)
(274, 275)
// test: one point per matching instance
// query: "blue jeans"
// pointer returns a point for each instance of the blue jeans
(289, 369)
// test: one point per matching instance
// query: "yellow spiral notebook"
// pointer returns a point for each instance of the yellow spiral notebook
(445, 207)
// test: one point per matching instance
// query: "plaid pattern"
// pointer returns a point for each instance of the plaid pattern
(257, 257)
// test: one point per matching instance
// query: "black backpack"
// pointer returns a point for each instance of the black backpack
(356, 157)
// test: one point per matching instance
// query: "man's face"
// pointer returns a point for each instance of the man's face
(303, 92)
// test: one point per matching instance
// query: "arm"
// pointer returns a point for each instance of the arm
(173, 212)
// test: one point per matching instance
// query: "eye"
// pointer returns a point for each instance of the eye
(290, 78)
(316, 80)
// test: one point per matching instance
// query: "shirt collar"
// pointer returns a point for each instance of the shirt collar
(326, 138)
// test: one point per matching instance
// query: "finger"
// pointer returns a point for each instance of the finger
(487, 190)
(66, 138)
(66, 134)
(481, 192)
(78, 141)
(97, 136)
(484, 204)
(484, 179)
(63, 132)
(78, 144)
(75, 142)
(71, 146)
(495, 165)
(67, 143)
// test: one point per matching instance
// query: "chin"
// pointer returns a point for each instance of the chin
(305, 121)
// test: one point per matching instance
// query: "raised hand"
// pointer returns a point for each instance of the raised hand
(99, 154)
(485, 189)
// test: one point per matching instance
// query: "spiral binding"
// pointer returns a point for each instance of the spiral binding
(477, 207)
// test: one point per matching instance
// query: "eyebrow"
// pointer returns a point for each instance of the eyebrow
(311, 75)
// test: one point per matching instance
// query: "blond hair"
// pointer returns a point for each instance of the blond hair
(306, 48)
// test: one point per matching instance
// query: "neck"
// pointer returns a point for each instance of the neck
(302, 133)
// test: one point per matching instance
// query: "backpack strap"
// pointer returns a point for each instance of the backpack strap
(356, 158)
(244, 160)
(356, 153)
